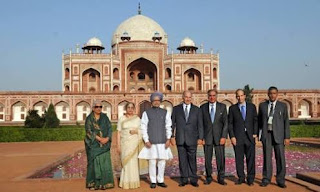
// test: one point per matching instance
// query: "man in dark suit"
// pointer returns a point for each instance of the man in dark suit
(187, 134)
(243, 130)
(275, 133)
(215, 124)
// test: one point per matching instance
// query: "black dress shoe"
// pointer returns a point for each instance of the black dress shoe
(182, 184)
(240, 181)
(194, 184)
(250, 183)
(153, 185)
(264, 184)
(282, 185)
(207, 182)
(162, 185)
(222, 182)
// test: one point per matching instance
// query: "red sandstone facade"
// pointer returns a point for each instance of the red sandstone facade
(72, 107)
(139, 64)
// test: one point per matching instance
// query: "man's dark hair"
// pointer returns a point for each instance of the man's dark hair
(272, 88)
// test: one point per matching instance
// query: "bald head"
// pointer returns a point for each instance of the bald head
(241, 96)
(238, 91)
(186, 93)
(187, 97)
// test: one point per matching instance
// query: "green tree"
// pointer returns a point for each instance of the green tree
(51, 119)
(248, 92)
(33, 120)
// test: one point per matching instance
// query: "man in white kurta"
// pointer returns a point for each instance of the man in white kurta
(156, 133)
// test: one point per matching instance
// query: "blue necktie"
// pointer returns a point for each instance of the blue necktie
(243, 112)
(212, 113)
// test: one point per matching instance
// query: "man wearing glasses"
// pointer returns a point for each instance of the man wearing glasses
(156, 133)
(215, 124)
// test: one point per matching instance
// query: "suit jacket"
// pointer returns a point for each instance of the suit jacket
(187, 131)
(213, 132)
(237, 124)
(280, 122)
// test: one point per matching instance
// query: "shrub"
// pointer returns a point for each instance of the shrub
(33, 120)
(248, 92)
(51, 119)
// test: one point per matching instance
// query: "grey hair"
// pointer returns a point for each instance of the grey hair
(185, 92)
(95, 102)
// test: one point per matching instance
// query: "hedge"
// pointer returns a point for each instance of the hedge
(76, 133)
(305, 131)
(21, 134)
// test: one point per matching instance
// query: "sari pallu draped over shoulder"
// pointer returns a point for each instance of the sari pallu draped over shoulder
(130, 143)
(99, 168)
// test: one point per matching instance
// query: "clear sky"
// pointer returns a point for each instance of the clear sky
(261, 43)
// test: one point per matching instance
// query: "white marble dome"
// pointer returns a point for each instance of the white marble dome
(187, 42)
(94, 42)
(139, 28)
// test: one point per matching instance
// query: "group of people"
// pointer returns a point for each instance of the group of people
(145, 143)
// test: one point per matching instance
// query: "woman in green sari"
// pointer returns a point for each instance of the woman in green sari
(97, 144)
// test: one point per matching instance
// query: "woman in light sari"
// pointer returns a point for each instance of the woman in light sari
(97, 144)
(129, 139)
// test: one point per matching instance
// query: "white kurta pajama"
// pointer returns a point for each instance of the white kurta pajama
(157, 151)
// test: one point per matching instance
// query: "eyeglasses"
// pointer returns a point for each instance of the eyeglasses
(98, 107)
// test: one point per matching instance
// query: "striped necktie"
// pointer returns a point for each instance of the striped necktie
(271, 110)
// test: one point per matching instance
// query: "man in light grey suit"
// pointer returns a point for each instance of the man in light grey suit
(273, 123)
(187, 134)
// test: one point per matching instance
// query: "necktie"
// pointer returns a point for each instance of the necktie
(243, 112)
(212, 113)
(186, 113)
(270, 117)
(271, 110)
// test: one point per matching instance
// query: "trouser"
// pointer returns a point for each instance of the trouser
(153, 170)
(267, 159)
(188, 163)
(245, 148)
(220, 160)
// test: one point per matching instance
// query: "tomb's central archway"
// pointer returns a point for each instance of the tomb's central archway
(142, 76)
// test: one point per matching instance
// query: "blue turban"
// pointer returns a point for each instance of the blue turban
(156, 94)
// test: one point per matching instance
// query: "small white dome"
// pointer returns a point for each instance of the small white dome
(94, 42)
(139, 28)
(187, 42)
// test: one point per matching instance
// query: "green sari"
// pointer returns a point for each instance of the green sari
(99, 168)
